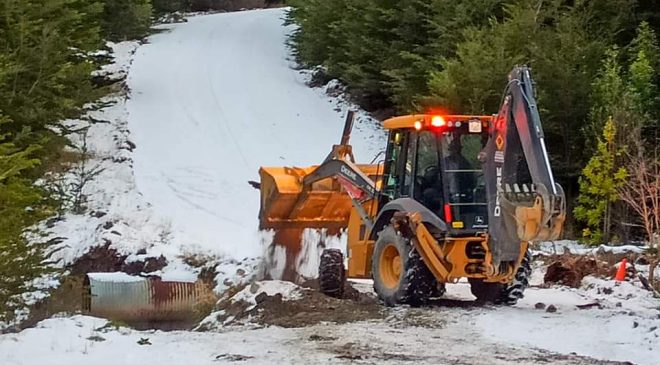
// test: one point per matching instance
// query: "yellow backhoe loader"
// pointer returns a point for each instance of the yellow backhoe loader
(457, 196)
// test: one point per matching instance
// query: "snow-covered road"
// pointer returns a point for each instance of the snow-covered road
(212, 100)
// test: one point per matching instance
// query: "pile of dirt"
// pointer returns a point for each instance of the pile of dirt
(294, 307)
(570, 269)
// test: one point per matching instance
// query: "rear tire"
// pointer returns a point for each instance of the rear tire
(499, 293)
(331, 273)
(400, 276)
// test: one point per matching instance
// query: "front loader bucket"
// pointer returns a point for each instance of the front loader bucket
(286, 203)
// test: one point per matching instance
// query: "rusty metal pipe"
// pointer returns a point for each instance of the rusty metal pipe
(119, 296)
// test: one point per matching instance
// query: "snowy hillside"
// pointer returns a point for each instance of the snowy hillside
(208, 102)
(212, 100)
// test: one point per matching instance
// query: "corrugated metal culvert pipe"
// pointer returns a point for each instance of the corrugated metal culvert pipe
(134, 299)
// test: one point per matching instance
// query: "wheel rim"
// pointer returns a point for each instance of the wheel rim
(390, 266)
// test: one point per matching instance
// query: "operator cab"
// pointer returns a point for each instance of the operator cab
(435, 161)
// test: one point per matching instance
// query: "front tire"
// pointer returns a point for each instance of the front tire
(400, 276)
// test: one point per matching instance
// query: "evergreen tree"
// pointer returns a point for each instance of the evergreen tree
(21, 205)
(45, 77)
(599, 185)
(126, 19)
(169, 6)
(46, 44)
(628, 99)
(644, 82)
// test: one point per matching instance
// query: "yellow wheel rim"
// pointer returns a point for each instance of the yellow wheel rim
(390, 266)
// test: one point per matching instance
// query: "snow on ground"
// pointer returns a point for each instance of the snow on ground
(117, 213)
(625, 325)
(445, 334)
(88, 340)
(114, 277)
(288, 290)
(214, 99)
(574, 247)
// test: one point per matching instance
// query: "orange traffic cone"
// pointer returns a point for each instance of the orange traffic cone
(621, 273)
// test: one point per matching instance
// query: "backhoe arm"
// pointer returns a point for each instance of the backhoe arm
(525, 202)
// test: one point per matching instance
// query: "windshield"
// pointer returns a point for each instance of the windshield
(465, 178)
(465, 183)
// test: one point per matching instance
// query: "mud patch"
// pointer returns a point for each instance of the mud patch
(307, 307)
(402, 317)
(106, 259)
(66, 298)
(361, 351)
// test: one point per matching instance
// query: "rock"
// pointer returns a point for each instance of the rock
(261, 298)
(539, 305)
(635, 324)
(590, 305)
(108, 225)
(321, 338)
(233, 357)
(240, 272)
(131, 145)
(551, 309)
(619, 304)
(608, 291)
(98, 214)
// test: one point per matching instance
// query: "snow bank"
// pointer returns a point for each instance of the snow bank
(122, 54)
(574, 247)
(288, 290)
(115, 277)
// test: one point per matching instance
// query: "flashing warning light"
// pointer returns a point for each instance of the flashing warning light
(448, 216)
(438, 121)
(418, 125)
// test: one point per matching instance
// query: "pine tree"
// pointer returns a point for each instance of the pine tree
(21, 206)
(169, 6)
(599, 185)
(126, 19)
(46, 45)
(629, 100)
(644, 81)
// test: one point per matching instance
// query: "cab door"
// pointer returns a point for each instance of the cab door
(399, 166)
